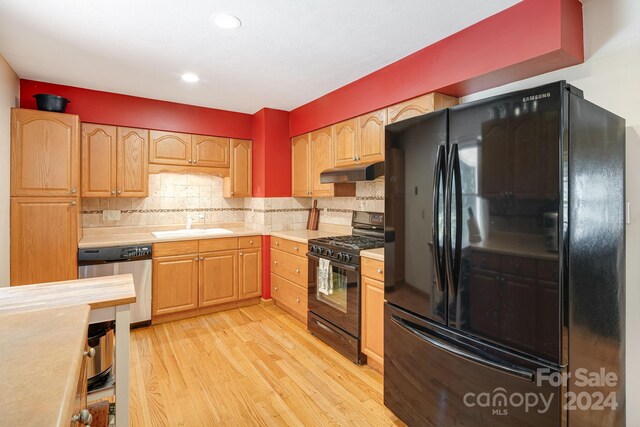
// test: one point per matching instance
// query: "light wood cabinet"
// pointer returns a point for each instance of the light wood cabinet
(417, 106)
(239, 182)
(44, 239)
(210, 151)
(289, 276)
(114, 161)
(321, 159)
(170, 148)
(301, 166)
(175, 284)
(250, 277)
(45, 153)
(193, 277)
(372, 315)
(370, 137)
(133, 163)
(344, 143)
(98, 160)
(218, 278)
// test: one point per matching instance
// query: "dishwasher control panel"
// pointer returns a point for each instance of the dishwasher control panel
(90, 256)
(136, 251)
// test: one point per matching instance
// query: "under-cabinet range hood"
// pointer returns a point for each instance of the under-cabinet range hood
(364, 172)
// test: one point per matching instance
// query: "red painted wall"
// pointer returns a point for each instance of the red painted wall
(123, 110)
(271, 153)
(530, 38)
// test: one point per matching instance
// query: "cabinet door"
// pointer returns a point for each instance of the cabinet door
(373, 321)
(300, 165)
(344, 143)
(218, 278)
(240, 168)
(133, 163)
(210, 151)
(175, 284)
(250, 276)
(421, 105)
(98, 160)
(44, 240)
(370, 142)
(45, 153)
(170, 148)
(321, 159)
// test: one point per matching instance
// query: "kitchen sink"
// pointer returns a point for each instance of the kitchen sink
(195, 232)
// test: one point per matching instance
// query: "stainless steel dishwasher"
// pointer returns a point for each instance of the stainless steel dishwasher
(100, 262)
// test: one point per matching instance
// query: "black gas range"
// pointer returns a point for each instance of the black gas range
(334, 283)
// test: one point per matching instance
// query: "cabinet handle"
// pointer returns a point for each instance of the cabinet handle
(241, 254)
(201, 258)
(275, 289)
(380, 271)
(119, 191)
(196, 259)
(195, 161)
(277, 243)
(275, 262)
(74, 203)
(73, 191)
(113, 192)
(84, 417)
(298, 300)
(190, 161)
(298, 270)
(233, 192)
(90, 352)
(251, 242)
(295, 248)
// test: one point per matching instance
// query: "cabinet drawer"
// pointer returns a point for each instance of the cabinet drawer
(295, 248)
(485, 261)
(249, 242)
(290, 295)
(520, 266)
(212, 245)
(291, 267)
(175, 248)
(373, 269)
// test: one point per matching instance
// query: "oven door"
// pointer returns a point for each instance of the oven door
(338, 304)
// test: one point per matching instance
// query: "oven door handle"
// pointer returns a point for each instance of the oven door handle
(336, 263)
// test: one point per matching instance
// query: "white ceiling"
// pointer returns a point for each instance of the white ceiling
(287, 52)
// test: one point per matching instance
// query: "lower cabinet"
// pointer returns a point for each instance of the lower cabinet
(372, 313)
(289, 276)
(203, 276)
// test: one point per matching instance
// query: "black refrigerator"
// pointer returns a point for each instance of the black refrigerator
(505, 263)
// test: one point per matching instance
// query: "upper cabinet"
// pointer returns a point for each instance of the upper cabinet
(133, 163)
(114, 161)
(312, 154)
(45, 153)
(170, 148)
(238, 184)
(370, 137)
(321, 159)
(344, 143)
(210, 151)
(417, 106)
(301, 166)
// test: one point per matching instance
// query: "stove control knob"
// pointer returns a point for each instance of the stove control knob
(340, 257)
(347, 257)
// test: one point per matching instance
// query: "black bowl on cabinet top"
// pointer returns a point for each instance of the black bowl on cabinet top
(53, 103)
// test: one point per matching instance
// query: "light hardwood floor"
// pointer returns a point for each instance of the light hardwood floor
(253, 366)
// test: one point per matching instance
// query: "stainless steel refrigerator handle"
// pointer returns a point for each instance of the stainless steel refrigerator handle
(526, 374)
(435, 231)
(453, 176)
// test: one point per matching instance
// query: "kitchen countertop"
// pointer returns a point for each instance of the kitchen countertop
(97, 292)
(376, 254)
(523, 245)
(118, 236)
(39, 387)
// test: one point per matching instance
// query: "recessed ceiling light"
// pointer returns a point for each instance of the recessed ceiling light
(190, 77)
(226, 21)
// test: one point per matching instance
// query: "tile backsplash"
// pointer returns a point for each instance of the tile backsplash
(174, 196)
